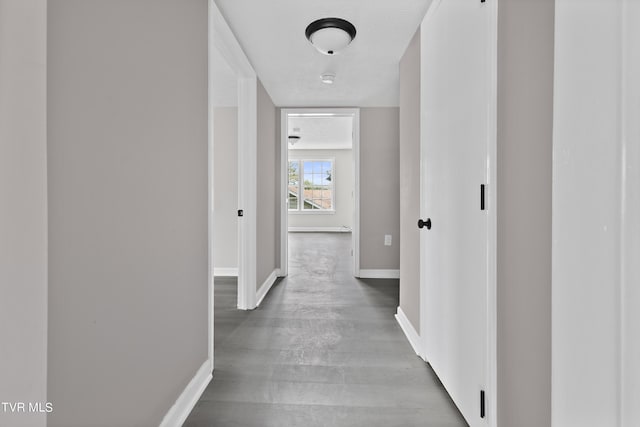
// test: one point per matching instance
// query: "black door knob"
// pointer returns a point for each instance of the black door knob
(426, 223)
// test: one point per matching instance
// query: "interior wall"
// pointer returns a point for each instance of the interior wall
(595, 218)
(524, 162)
(343, 186)
(127, 157)
(410, 182)
(268, 172)
(225, 158)
(23, 212)
(630, 291)
(379, 188)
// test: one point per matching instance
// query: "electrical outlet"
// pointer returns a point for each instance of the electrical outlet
(387, 239)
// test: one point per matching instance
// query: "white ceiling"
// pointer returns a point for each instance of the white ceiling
(321, 132)
(272, 36)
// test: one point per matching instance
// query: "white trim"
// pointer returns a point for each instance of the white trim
(225, 272)
(266, 285)
(492, 227)
(247, 191)
(410, 332)
(178, 413)
(628, 381)
(355, 234)
(284, 224)
(313, 212)
(210, 181)
(284, 193)
(379, 274)
(319, 230)
(423, 282)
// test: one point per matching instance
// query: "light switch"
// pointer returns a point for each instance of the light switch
(387, 239)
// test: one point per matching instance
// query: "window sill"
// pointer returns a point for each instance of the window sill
(310, 212)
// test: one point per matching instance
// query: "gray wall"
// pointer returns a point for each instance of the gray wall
(225, 169)
(410, 182)
(268, 217)
(379, 188)
(525, 112)
(23, 207)
(343, 185)
(127, 135)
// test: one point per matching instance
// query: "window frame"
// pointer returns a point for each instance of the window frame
(300, 210)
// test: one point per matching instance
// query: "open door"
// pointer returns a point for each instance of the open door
(456, 110)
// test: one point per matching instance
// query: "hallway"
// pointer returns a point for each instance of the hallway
(323, 349)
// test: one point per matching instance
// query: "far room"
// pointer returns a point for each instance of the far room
(320, 185)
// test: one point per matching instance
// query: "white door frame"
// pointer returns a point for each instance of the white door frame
(629, 373)
(222, 41)
(284, 179)
(492, 308)
(492, 226)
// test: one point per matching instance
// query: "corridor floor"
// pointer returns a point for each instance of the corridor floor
(323, 349)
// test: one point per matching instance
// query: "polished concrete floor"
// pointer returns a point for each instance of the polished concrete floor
(323, 349)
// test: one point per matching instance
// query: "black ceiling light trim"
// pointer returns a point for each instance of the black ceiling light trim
(339, 23)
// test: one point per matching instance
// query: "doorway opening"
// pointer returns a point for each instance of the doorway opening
(231, 173)
(225, 168)
(320, 168)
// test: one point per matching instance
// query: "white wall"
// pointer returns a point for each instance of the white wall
(23, 211)
(225, 157)
(343, 187)
(128, 221)
(595, 218)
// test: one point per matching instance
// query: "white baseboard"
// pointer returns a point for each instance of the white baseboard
(319, 230)
(264, 288)
(226, 272)
(409, 331)
(379, 274)
(181, 409)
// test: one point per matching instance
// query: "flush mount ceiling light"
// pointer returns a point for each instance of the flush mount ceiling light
(329, 35)
(328, 78)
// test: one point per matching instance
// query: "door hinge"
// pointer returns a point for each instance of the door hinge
(482, 197)
(240, 212)
(482, 404)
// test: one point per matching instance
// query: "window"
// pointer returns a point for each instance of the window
(314, 192)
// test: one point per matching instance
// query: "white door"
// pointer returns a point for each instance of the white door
(456, 102)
